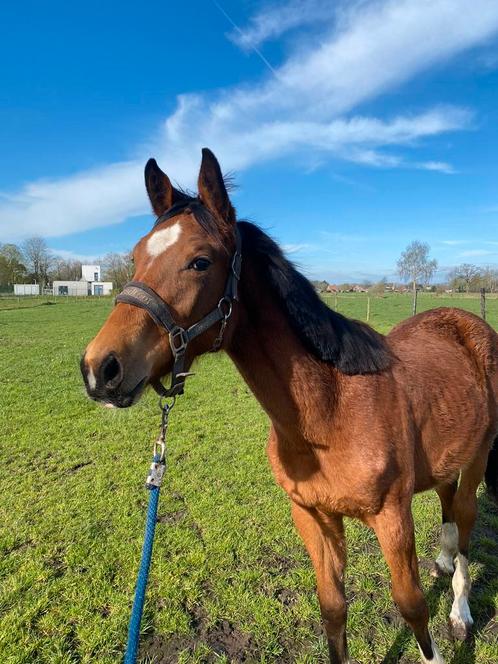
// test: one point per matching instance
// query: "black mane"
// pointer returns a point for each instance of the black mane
(351, 346)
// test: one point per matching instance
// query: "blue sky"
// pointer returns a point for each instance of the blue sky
(352, 127)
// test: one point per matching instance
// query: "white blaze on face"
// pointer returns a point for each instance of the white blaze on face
(92, 381)
(163, 239)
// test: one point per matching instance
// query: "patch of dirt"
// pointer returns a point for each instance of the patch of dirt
(172, 517)
(19, 546)
(223, 639)
(286, 596)
(78, 466)
(56, 563)
(394, 618)
(276, 563)
(226, 639)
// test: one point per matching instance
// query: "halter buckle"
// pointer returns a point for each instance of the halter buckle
(178, 340)
(237, 264)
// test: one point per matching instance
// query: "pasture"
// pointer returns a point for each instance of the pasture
(230, 580)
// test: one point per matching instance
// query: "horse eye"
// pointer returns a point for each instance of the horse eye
(200, 264)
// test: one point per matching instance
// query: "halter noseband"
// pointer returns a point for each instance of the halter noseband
(140, 295)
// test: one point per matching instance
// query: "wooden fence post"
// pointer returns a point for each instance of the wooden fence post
(368, 309)
(483, 303)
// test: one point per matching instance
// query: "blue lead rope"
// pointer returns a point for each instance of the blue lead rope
(143, 575)
(153, 483)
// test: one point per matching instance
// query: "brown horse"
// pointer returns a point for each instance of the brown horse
(359, 422)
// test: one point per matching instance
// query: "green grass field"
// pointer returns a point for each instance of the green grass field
(230, 579)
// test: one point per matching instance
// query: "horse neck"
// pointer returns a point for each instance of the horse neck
(295, 389)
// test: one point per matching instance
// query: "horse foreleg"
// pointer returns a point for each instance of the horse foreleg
(323, 536)
(449, 531)
(394, 529)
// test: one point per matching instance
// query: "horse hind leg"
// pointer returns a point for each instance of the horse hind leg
(449, 532)
(465, 510)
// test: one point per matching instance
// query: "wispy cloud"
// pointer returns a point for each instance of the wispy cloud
(476, 252)
(291, 248)
(440, 166)
(306, 107)
(453, 243)
(276, 19)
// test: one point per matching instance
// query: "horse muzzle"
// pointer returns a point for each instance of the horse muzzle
(106, 381)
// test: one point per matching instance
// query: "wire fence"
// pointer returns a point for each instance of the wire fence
(385, 310)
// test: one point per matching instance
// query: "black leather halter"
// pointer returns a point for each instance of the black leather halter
(140, 295)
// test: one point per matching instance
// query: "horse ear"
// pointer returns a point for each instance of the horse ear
(161, 192)
(212, 190)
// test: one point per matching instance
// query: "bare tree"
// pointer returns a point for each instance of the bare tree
(489, 279)
(38, 258)
(118, 268)
(466, 276)
(416, 266)
(65, 270)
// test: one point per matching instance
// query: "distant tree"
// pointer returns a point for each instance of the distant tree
(465, 277)
(379, 287)
(118, 268)
(12, 268)
(320, 286)
(415, 265)
(65, 270)
(38, 259)
(489, 279)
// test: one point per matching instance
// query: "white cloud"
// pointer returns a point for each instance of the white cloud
(440, 166)
(375, 46)
(476, 252)
(298, 248)
(275, 20)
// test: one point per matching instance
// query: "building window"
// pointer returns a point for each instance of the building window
(95, 276)
(63, 290)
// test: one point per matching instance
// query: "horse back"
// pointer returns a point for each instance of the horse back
(457, 326)
(447, 361)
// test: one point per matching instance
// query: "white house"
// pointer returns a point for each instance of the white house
(90, 273)
(89, 284)
(26, 289)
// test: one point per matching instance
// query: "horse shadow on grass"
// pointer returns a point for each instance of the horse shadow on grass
(484, 552)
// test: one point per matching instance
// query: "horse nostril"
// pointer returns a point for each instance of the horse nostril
(111, 371)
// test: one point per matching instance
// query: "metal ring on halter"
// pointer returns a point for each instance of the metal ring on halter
(227, 302)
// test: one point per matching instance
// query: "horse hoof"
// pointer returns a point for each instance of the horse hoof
(460, 629)
(437, 571)
(443, 566)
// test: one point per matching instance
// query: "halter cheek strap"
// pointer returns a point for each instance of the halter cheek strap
(140, 295)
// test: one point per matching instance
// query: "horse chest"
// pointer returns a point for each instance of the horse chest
(322, 479)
